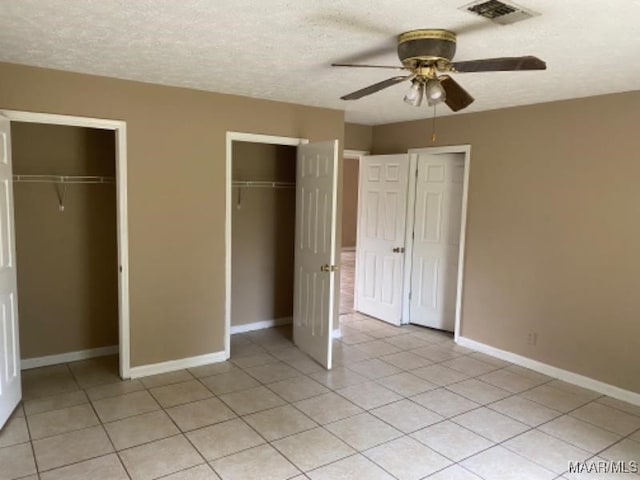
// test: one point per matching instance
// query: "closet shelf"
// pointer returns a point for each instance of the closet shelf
(63, 179)
(262, 184)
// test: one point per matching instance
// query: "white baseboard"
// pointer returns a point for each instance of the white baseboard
(555, 372)
(36, 362)
(249, 327)
(180, 364)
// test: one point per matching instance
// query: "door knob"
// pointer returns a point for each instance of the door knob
(398, 250)
(329, 268)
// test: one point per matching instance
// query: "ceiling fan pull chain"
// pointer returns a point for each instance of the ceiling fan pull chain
(433, 129)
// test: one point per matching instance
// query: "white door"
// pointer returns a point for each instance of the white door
(315, 306)
(381, 236)
(438, 214)
(10, 388)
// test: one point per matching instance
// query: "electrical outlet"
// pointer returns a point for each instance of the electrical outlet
(532, 338)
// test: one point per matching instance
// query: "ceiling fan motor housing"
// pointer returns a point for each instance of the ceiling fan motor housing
(426, 47)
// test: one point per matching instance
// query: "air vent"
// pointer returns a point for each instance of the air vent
(499, 12)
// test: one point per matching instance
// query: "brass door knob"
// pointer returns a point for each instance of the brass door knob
(329, 268)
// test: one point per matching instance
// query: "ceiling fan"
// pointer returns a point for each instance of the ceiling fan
(425, 53)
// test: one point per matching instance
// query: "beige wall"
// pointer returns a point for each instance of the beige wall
(176, 169)
(263, 233)
(358, 137)
(349, 201)
(553, 237)
(67, 261)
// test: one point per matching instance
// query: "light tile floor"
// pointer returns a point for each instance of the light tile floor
(401, 403)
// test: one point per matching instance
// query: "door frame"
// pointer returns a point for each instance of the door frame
(120, 129)
(230, 138)
(354, 155)
(411, 200)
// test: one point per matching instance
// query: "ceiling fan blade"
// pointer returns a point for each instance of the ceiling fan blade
(502, 64)
(376, 87)
(384, 48)
(456, 97)
(358, 65)
(347, 22)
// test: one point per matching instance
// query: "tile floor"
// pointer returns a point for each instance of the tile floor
(402, 403)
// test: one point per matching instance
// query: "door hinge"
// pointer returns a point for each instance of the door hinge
(409, 295)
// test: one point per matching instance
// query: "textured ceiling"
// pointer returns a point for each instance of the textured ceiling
(281, 49)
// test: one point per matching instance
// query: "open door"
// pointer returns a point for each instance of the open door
(315, 306)
(10, 387)
(381, 236)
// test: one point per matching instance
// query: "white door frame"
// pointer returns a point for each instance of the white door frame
(355, 155)
(120, 129)
(240, 137)
(413, 166)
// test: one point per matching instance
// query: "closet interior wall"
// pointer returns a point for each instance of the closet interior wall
(263, 234)
(67, 260)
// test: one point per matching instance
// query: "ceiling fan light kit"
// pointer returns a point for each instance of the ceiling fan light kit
(425, 53)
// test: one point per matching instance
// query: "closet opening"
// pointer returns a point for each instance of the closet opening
(66, 219)
(66, 244)
(262, 236)
(283, 195)
(261, 218)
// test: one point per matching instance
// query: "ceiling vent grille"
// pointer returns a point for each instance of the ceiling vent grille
(499, 12)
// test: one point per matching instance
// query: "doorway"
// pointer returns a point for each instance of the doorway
(411, 235)
(262, 235)
(315, 248)
(349, 239)
(119, 130)
(11, 359)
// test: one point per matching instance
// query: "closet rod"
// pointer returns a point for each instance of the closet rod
(263, 184)
(62, 179)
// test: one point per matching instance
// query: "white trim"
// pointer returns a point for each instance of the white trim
(120, 128)
(230, 138)
(551, 371)
(250, 327)
(354, 154)
(466, 149)
(69, 120)
(180, 364)
(36, 362)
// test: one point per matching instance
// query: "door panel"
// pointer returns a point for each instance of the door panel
(315, 290)
(10, 387)
(438, 215)
(381, 229)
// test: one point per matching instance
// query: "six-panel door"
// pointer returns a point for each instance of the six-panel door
(10, 388)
